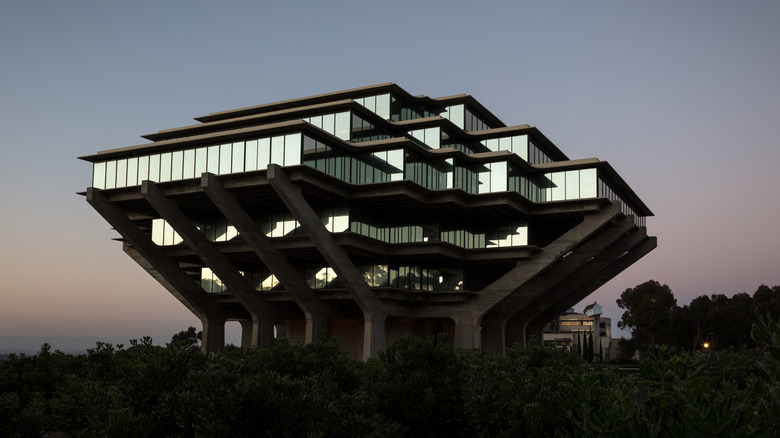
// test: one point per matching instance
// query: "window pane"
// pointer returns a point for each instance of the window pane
(167, 234)
(264, 153)
(341, 221)
(277, 150)
(342, 125)
(370, 103)
(396, 161)
(251, 156)
(588, 183)
(573, 184)
(121, 173)
(505, 144)
(559, 186)
(99, 175)
(433, 137)
(484, 181)
(213, 160)
(200, 161)
(498, 177)
(154, 167)
(225, 158)
(165, 167)
(238, 157)
(111, 174)
(327, 123)
(292, 149)
(157, 231)
(457, 115)
(178, 165)
(520, 146)
(132, 171)
(143, 169)
(189, 164)
(383, 106)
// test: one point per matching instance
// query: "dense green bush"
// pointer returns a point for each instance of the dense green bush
(414, 388)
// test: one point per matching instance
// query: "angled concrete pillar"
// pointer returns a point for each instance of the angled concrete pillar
(314, 310)
(614, 266)
(510, 293)
(238, 285)
(139, 246)
(467, 329)
(561, 279)
(213, 338)
(374, 313)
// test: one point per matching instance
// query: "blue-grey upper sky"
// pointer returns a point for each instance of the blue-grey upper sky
(682, 98)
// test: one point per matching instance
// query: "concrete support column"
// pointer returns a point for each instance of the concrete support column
(374, 311)
(246, 333)
(208, 252)
(316, 322)
(533, 329)
(467, 330)
(374, 334)
(494, 335)
(213, 338)
(515, 332)
(314, 310)
(257, 332)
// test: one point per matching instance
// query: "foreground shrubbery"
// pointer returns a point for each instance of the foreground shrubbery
(415, 388)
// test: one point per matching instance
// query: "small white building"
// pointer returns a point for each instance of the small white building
(572, 329)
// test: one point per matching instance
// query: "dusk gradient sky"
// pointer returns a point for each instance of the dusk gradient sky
(681, 98)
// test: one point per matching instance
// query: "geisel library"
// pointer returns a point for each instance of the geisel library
(369, 214)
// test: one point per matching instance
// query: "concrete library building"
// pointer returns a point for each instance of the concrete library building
(369, 214)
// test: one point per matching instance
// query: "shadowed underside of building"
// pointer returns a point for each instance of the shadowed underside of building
(369, 214)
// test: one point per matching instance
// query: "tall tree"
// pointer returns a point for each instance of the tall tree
(767, 299)
(589, 354)
(649, 309)
(189, 338)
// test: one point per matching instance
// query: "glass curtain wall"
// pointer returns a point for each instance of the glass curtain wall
(464, 118)
(413, 278)
(380, 104)
(261, 280)
(225, 158)
(360, 168)
(279, 224)
(429, 137)
(336, 124)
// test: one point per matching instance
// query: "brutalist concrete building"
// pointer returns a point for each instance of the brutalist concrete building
(369, 214)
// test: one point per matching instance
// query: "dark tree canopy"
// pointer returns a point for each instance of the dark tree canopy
(189, 338)
(650, 308)
(653, 317)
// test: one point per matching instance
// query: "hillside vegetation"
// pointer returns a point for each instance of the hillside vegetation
(415, 388)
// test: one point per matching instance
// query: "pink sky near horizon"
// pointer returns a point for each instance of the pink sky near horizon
(681, 99)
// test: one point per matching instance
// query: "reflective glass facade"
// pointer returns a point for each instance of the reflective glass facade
(365, 168)
(464, 118)
(358, 168)
(337, 220)
(412, 278)
(378, 104)
(219, 159)
(393, 164)
(378, 202)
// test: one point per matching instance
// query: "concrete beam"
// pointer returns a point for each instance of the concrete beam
(374, 312)
(238, 285)
(139, 246)
(314, 310)
(615, 267)
(492, 334)
(572, 284)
